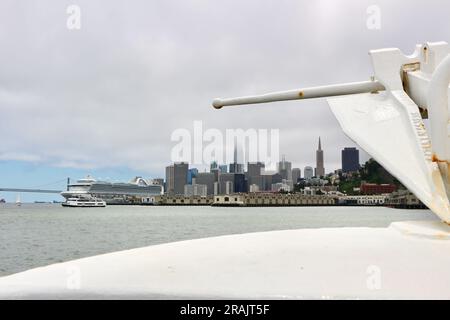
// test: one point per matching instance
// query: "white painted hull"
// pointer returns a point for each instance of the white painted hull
(404, 261)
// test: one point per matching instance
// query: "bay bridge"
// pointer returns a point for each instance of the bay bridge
(20, 190)
(36, 189)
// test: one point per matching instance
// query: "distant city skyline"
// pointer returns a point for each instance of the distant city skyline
(161, 74)
(27, 170)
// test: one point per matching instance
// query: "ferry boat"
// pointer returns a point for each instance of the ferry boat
(84, 202)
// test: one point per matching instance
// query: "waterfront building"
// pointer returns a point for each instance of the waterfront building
(404, 199)
(350, 160)
(261, 199)
(195, 190)
(308, 173)
(373, 188)
(229, 200)
(176, 177)
(320, 169)
(364, 200)
(181, 200)
(296, 174)
(207, 179)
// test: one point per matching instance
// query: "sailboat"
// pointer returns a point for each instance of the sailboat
(18, 202)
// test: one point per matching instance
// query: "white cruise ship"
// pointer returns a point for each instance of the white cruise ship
(113, 192)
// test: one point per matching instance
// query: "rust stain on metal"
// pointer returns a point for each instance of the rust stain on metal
(434, 158)
(301, 94)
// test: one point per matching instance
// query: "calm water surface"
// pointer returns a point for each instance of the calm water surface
(35, 235)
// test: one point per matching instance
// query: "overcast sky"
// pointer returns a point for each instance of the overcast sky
(110, 94)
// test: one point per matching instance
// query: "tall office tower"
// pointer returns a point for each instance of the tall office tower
(207, 179)
(350, 160)
(213, 166)
(284, 168)
(223, 168)
(191, 174)
(216, 173)
(176, 177)
(296, 174)
(224, 180)
(236, 167)
(320, 170)
(228, 187)
(169, 184)
(240, 183)
(269, 178)
(308, 173)
(253, 174)
(255, 168)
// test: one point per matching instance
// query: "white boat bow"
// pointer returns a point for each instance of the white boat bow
(408, 260)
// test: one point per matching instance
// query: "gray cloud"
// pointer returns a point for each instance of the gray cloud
(111, 93)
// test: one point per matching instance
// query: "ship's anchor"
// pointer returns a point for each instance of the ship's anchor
(384, 116)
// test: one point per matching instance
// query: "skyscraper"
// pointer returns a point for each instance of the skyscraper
(226, 183)
(308, 172)
(296, 174)
(236, 167)
(350, 160)
(284, 168)
(176, 177)
(253, 174)
(207, 179)
(191, 174)
(213, 165)
(320, 170)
